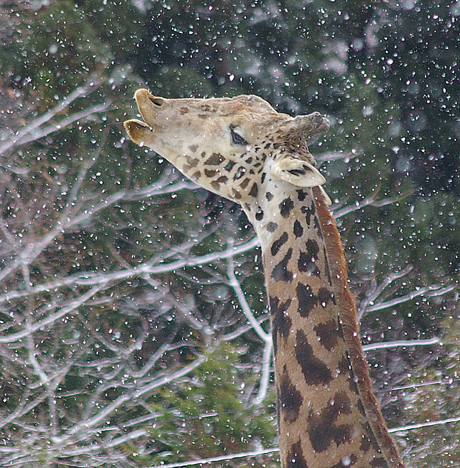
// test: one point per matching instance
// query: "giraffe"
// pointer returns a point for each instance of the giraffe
(242, 149)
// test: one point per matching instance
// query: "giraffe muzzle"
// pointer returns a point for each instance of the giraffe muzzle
(149, 106)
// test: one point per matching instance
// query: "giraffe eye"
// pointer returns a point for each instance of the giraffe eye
(237, 139)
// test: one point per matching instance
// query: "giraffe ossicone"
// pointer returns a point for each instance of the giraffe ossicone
(242, 149)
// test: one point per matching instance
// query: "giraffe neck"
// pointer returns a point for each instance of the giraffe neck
(328, 415)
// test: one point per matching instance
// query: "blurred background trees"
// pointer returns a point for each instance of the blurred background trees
(123, 340)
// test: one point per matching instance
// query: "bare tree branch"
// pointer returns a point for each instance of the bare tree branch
(233, 456)
(102, 279)
(31, 131)
(401, 343)
(411, 427)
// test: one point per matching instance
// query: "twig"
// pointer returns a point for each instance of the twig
(401, 343)
(372, 295)
(21, 136)
(73, 305)
(411, 427)
(222, 458)
(103, 279)
(235, 284)
(429, 291)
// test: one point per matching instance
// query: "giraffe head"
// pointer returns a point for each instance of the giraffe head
(229, 146)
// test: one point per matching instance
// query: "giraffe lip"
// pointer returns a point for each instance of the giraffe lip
(142, 95)
(137, 130)
(148, 106)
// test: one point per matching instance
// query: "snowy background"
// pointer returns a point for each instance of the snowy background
(133, 324)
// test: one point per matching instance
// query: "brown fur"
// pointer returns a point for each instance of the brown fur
(347, 315)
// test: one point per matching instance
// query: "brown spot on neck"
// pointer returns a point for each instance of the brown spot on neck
(347, 315)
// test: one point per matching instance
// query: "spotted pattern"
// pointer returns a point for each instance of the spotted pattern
(309, 212)
(229, 166)
(311, 219)
(307, 259)
(298, 229)
(323, 429)
(214, 160)
(191, 163)
(215, 184)
(276, 246)
(259, 214)
(379, 463)
(272, 227)
(285, 207)
(301, 195)
(308, 300)
(295, 457)
(254, 190)
(315, 371)
(245, 183)
(239, 173)
(281, 322)
(236, 194)
(327, 333)
(210, 173)
(290, 399)
(323, 426)
(281, 272)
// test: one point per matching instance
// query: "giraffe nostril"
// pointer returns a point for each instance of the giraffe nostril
(157, 101)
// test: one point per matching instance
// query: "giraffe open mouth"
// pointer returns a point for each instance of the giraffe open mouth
(148, 106)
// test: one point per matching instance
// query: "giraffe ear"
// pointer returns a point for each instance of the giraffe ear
(297, 172)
